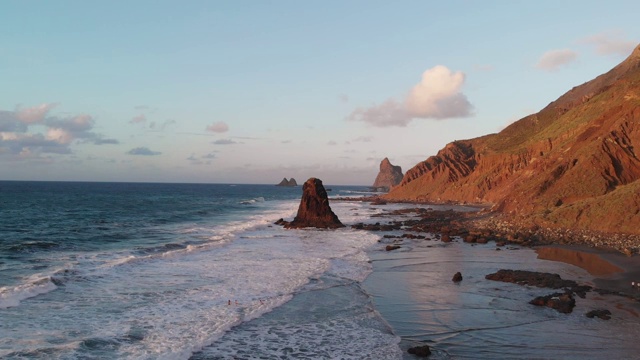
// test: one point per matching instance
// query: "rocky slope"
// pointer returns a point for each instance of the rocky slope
(389, 175)
(574, 164)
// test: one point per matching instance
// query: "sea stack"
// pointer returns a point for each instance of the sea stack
(286, 182)
(314, 209)
(389, 176)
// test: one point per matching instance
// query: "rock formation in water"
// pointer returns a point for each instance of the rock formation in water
(286, 182)
(389, 176)
(314, 209)
(575, 164)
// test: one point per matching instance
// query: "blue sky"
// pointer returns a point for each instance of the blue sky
(254, 91)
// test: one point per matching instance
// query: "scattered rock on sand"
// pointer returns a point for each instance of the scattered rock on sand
(539, 279)
(603, 314)
(420, 351)
(562, 302)
(457, 277)
(392, 247)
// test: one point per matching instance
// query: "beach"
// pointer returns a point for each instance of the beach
(477, 318)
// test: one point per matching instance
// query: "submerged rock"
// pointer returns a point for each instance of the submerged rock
(314, 209)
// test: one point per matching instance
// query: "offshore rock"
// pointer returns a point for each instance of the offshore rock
(389, 175)
(314, 209)
(286, 182)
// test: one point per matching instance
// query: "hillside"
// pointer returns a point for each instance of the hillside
(574, 164)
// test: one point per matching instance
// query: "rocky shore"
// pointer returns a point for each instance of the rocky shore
(486, 225)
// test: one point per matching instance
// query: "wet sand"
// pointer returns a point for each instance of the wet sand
(481, 319)
(611, 270)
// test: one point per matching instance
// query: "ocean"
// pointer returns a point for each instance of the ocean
(199, 271)
(181, 271)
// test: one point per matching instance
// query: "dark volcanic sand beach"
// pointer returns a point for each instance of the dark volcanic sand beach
(482, 319)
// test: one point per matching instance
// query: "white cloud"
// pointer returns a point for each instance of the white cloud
(219, 127)
(554, 59)
(138, 119)
(35, 114)
(610, 43)
(60, 136)
(437, 96)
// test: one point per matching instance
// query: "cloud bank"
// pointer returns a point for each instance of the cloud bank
(143, 151)
(28, 132)
(554, 59)
(437, 96)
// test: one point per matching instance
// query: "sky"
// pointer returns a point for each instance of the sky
(253, 91)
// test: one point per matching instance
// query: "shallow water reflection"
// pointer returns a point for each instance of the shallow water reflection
(483, 319)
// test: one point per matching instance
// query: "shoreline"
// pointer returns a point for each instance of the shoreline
(415, 232)
(520, 230)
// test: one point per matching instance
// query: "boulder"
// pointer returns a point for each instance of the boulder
(314, 209)
(457, 277)
(603, 314)
(562, 302)
(420, 351)
(389, 175)
(392, 247)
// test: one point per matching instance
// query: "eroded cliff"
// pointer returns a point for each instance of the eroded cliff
(573, 164)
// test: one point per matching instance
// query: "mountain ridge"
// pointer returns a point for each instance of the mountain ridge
(573, 164)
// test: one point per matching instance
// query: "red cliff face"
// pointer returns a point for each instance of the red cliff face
(389, 175)
(573, 164)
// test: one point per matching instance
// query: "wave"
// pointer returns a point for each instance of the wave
(11, 296)
(253, 201)
(33, 246)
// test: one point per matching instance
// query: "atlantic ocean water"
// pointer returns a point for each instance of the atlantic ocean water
(180, 271)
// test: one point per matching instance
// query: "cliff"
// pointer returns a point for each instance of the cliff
(573, 164)
(389, 175)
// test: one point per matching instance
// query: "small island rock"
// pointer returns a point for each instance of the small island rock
(389, 176)
(286, 182)
(314, 209)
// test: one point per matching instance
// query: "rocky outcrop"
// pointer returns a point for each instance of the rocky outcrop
(573, 165)
(389, 176)
(420, 351)
(561, 302)
(286, 182)
(314, 209)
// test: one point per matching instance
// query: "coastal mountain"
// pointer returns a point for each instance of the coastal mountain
(389, 175)
(286, 182)
(575, 164)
